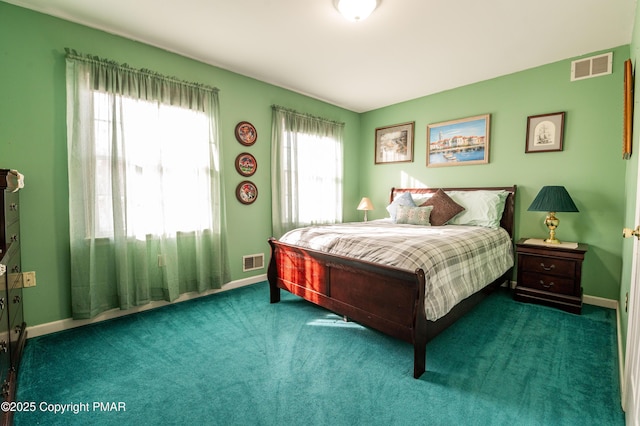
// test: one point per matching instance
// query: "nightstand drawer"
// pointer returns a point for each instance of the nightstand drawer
(550, 283)
(548, 265)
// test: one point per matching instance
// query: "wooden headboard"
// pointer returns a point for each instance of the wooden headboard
(508, 216)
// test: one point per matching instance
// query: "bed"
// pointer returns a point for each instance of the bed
(391, 298)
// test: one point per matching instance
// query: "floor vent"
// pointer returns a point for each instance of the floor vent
(252, 262)
(595, 66)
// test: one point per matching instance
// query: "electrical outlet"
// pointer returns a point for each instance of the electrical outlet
(29, 279)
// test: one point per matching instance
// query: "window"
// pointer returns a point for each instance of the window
(165, 154)
(319, 177)
(307, 170)
(146, 211)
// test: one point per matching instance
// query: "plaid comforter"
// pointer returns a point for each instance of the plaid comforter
(457, 260)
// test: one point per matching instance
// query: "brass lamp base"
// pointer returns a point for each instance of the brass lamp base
(552, 223)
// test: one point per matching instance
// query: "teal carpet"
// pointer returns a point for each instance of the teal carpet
(234, 359)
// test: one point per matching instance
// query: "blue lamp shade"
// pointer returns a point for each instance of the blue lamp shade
(553, 199)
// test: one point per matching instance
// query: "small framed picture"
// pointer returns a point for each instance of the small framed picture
(246, 133)
(246, 192)
(246, 164)
(545, 132)
(394, 144)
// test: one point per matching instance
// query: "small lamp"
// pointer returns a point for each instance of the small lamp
(365, 204)
(552, 199)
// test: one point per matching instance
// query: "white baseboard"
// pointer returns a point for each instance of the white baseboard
(600, 301)
(69, 323)
(620, 357)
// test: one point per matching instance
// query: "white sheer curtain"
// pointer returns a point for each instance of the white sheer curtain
(146, 206)
(307, 169)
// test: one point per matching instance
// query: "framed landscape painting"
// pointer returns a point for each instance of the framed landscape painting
(394, 144)
(458, 142)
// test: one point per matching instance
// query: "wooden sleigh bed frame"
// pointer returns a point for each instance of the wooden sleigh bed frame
(387, 299)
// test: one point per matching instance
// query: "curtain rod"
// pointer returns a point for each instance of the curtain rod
(302, 114)
(72, 54)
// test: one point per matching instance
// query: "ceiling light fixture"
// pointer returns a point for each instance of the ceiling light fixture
(356, 10)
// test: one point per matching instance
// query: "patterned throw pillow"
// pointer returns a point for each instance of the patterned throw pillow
(414, 215)
(444, 208)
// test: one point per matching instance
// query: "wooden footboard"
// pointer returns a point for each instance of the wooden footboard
(387, 299)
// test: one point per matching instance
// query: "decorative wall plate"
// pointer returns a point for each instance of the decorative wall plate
(246, 164)
(246, 192)
(246, 133)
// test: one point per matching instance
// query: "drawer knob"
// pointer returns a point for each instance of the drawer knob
(1, 303)
(3, 346)
(547, 268)
(13, 238)
(13, 207)
(542, 283)
(16, 299)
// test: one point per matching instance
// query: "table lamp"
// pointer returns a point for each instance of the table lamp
(552, 199)
(365, 204)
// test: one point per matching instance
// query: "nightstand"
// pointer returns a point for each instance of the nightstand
(550, 275)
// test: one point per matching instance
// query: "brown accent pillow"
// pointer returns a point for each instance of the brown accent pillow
(444, 208)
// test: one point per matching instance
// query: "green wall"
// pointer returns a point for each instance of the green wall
(33, 140)
(590, 166)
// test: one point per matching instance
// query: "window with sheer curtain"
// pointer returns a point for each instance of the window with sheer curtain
(146, 206)
(307, 169)
(167, 151)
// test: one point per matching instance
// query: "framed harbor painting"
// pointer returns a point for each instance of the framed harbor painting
(544, 132)
(394, 144)
(459, 142)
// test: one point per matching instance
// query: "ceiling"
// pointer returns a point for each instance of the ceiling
(406, 49)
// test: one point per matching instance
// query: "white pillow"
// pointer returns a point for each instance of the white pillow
(420, 198)
(481, 208)
(403, 199)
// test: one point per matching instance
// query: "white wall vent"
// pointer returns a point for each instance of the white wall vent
(594, 66)
(252, 262)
